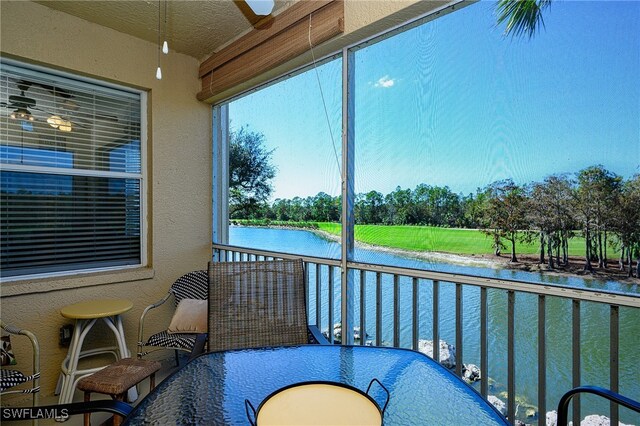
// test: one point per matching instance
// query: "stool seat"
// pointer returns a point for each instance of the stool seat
(96, 309)
(118, 377)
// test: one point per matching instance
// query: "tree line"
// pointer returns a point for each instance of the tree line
(594, 203)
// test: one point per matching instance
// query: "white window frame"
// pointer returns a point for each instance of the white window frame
(144, 222)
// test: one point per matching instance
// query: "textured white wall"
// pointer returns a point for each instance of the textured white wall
(179, 172)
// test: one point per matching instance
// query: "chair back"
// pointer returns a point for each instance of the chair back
(192, 285)
(256, 304)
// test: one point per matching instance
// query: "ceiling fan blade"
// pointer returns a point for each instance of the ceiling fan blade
(257, 12)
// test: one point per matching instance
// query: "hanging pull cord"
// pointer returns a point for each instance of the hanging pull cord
(324, 104)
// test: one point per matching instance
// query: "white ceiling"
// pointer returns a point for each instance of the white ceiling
(194, 27)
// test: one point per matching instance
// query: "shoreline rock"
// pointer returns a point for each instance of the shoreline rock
(590, 420)
(471, 373)
(447, 352)
(499, 404)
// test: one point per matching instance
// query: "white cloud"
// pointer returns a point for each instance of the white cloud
(385, 82)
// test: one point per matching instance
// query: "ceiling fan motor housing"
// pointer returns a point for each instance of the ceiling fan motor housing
(22, 101)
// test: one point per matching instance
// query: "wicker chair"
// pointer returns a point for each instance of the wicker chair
(257, 304)
(11, 378)
(192, 285)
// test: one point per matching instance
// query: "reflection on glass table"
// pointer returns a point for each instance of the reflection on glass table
(212, 388)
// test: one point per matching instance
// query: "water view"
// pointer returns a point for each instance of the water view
(474, 152)
(594, 318)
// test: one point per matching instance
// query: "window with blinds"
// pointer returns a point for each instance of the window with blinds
(71, 174)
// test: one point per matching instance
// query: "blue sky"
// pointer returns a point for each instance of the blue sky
(454, 102)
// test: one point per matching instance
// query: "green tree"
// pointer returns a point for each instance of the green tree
(370, 208)
(250, 173)
(281, 209)
(399, 206)
(595, 197)
(472, 209)
(324, 208)
(521, 16)
(549, 209)
(626, 221)
(436, 205)
(505, 213)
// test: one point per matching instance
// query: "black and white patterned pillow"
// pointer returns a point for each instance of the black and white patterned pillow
(6, 353)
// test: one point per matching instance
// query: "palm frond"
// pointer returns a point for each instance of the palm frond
(521, 16)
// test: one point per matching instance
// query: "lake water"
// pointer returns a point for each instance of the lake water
(594, 319)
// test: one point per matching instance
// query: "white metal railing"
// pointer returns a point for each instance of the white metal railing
(324, 273)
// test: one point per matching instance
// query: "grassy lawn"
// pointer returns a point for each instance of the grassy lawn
(448, 240)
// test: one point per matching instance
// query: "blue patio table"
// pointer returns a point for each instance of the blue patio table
(212, 388)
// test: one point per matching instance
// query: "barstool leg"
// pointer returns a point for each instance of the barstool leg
(117, 419)
(152, 382)
(87, 416)
(70, 363)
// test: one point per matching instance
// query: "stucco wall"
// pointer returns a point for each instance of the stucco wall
(179, 172)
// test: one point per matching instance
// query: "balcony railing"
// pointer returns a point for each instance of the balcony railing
(321, 281)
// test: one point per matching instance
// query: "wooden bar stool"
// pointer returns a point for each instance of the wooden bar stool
(116, 379)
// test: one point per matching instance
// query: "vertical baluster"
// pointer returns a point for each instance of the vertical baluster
(396, 311)
(436, 321)
(511, 362)
(319, 299)
(363, 307)
(542, 362)
(459, 330)
(484, 360)
(331, 305)
(576, 358)
(415, 326)
(307, 290)
(378, 309)
(614, 342)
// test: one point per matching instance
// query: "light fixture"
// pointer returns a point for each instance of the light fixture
(165, 45)
(65, 126)
(159, 71)
(22, 114)
(54, 121)
(261, 7)
(59, 123)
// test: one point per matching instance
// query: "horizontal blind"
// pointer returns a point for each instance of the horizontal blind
(71, 174)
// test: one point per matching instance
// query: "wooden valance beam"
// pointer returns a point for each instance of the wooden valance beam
(262, 50)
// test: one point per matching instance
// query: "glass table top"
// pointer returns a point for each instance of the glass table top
(212, 388)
